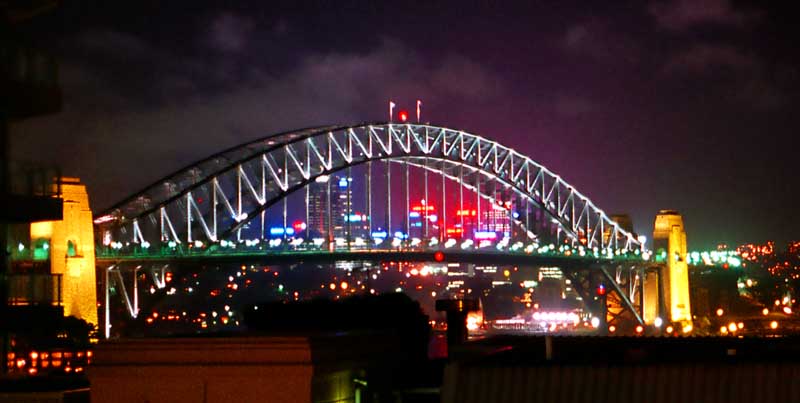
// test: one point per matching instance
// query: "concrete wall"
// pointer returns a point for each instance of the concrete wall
(668, 383)
(213, 370)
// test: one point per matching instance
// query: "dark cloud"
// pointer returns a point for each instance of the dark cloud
(102, 63)
(570, 106)
(230, 33)
(709, 59)
(679, 15)
(675, 104)
(465, 78)
(741, 76)
(141, 141)
(598, 40)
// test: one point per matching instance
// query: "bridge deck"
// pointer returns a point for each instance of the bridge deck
(316, 256)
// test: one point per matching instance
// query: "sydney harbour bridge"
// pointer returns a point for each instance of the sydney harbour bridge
(380, 195)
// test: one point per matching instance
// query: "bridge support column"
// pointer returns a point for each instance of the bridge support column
(106, 303)
(669, 236)
(70, 245)
(651, 296)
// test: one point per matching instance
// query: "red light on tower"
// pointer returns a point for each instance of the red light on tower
(438, 256)
(403, 115)
(601, 290)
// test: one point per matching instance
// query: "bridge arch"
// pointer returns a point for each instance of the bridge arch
(210, 200)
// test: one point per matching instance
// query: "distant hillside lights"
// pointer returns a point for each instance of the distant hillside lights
(753, 252)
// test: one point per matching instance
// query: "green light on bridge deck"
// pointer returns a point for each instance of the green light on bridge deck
(695, 256)
(41, 250)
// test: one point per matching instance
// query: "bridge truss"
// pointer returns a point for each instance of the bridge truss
(212, 200)
(226, 205)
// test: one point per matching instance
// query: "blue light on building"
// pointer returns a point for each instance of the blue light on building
(281, 231)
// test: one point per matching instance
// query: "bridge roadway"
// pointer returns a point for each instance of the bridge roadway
(489, 257)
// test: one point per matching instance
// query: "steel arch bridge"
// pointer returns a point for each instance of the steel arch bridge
(239, 184)
(221, 207)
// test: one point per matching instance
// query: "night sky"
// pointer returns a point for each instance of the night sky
(683, 104)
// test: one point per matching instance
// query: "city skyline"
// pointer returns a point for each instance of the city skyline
(390, 202)
(701, 123)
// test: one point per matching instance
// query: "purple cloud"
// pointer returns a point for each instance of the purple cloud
(230, 33)
(571, 106)
(679, 15)
(159, 135)
(600, 41)
(705, 58)
(740, 76)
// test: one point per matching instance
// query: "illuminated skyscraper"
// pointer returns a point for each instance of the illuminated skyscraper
(468, 217)
(321, 215)
(497, 219)
(418, 216)
(342, 206)
(318, 207)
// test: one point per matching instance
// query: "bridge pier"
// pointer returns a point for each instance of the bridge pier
(669, 243)
(652, 299)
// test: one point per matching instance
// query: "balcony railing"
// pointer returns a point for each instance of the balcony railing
(34, 193)
(34, 179)
(27, 65)
(34, 289)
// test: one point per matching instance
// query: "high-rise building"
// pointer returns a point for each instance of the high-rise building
(317, 225)
(342, 206)
(417, 218)
(465, 225)
(497, 219)
(337, 190)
